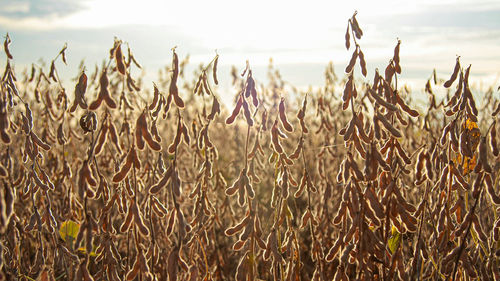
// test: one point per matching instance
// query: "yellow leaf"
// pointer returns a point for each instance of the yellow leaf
(69, 229)
(83, 251)
(469, 124)
(394, 240)
(473, 135)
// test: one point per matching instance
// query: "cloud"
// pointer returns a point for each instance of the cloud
(301, 38)
(39, 8)
(39, 14)
(16, 7)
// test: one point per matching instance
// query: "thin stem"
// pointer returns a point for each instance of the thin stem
(462, 244)
(246, 147)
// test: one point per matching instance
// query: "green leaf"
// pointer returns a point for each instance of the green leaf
(394, 240)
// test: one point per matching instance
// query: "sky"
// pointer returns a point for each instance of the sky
(300, 36)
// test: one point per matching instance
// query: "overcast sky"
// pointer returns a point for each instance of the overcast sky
(300, 36)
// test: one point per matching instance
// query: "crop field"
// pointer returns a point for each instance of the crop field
(111, 181)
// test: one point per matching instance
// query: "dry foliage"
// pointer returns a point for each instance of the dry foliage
(347, 182)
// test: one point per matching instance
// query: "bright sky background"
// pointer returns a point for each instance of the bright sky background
(300, 36)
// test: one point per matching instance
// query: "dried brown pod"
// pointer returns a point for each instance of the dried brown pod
(39, 181)
(156, 97)
(348, 89)
(493, 140)
(246, 112)
(130, 160)
(63, 52)
(273, 248)
(104, 94)
(406, 108)
(464, 144)
(3, 172)
(296, 154)
(395, 132)
(206, 87)
(125, 226)
(4, 125)
(214, 70)
(352, 62)
(236, 110)
(453, 77)
(184, 132)
(61, 138)
(355, 26)
(459, 178)
(255, 100)
(359, 147)
(131, 85)
(6, 44)
(237, 228)
(173, 147)
(483, 155)
(340, 214)
(389, 72)
(382, 101)
(114, 137)
(215, 109)
(301, 115)
(52, 72)
(85, 177)
(479, 230)
(237, 185)
(139, 221)
(171, 221)
(306, 217)
(471, 103)
(80, 89)
(491, 190)
(163, 182)
(282, 115)
(198, 88)
(101, 140)
(332, 253)
(374, 203)
(36, 140)
(142, 134)
(33, 72)
(409, 221)
(88, 122)
(173, 90)
(120, 61)
(395, 58)
(158, 208)
(362, 62)
(275, 135)
(124, 102)
(446, 131)
(154, 131)
(139, 264)
(250, 85)
(349, 129)
(497, 110)
(466, 76)
(303, 184)
(25, 126)
(496, 230)
(347, 38)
